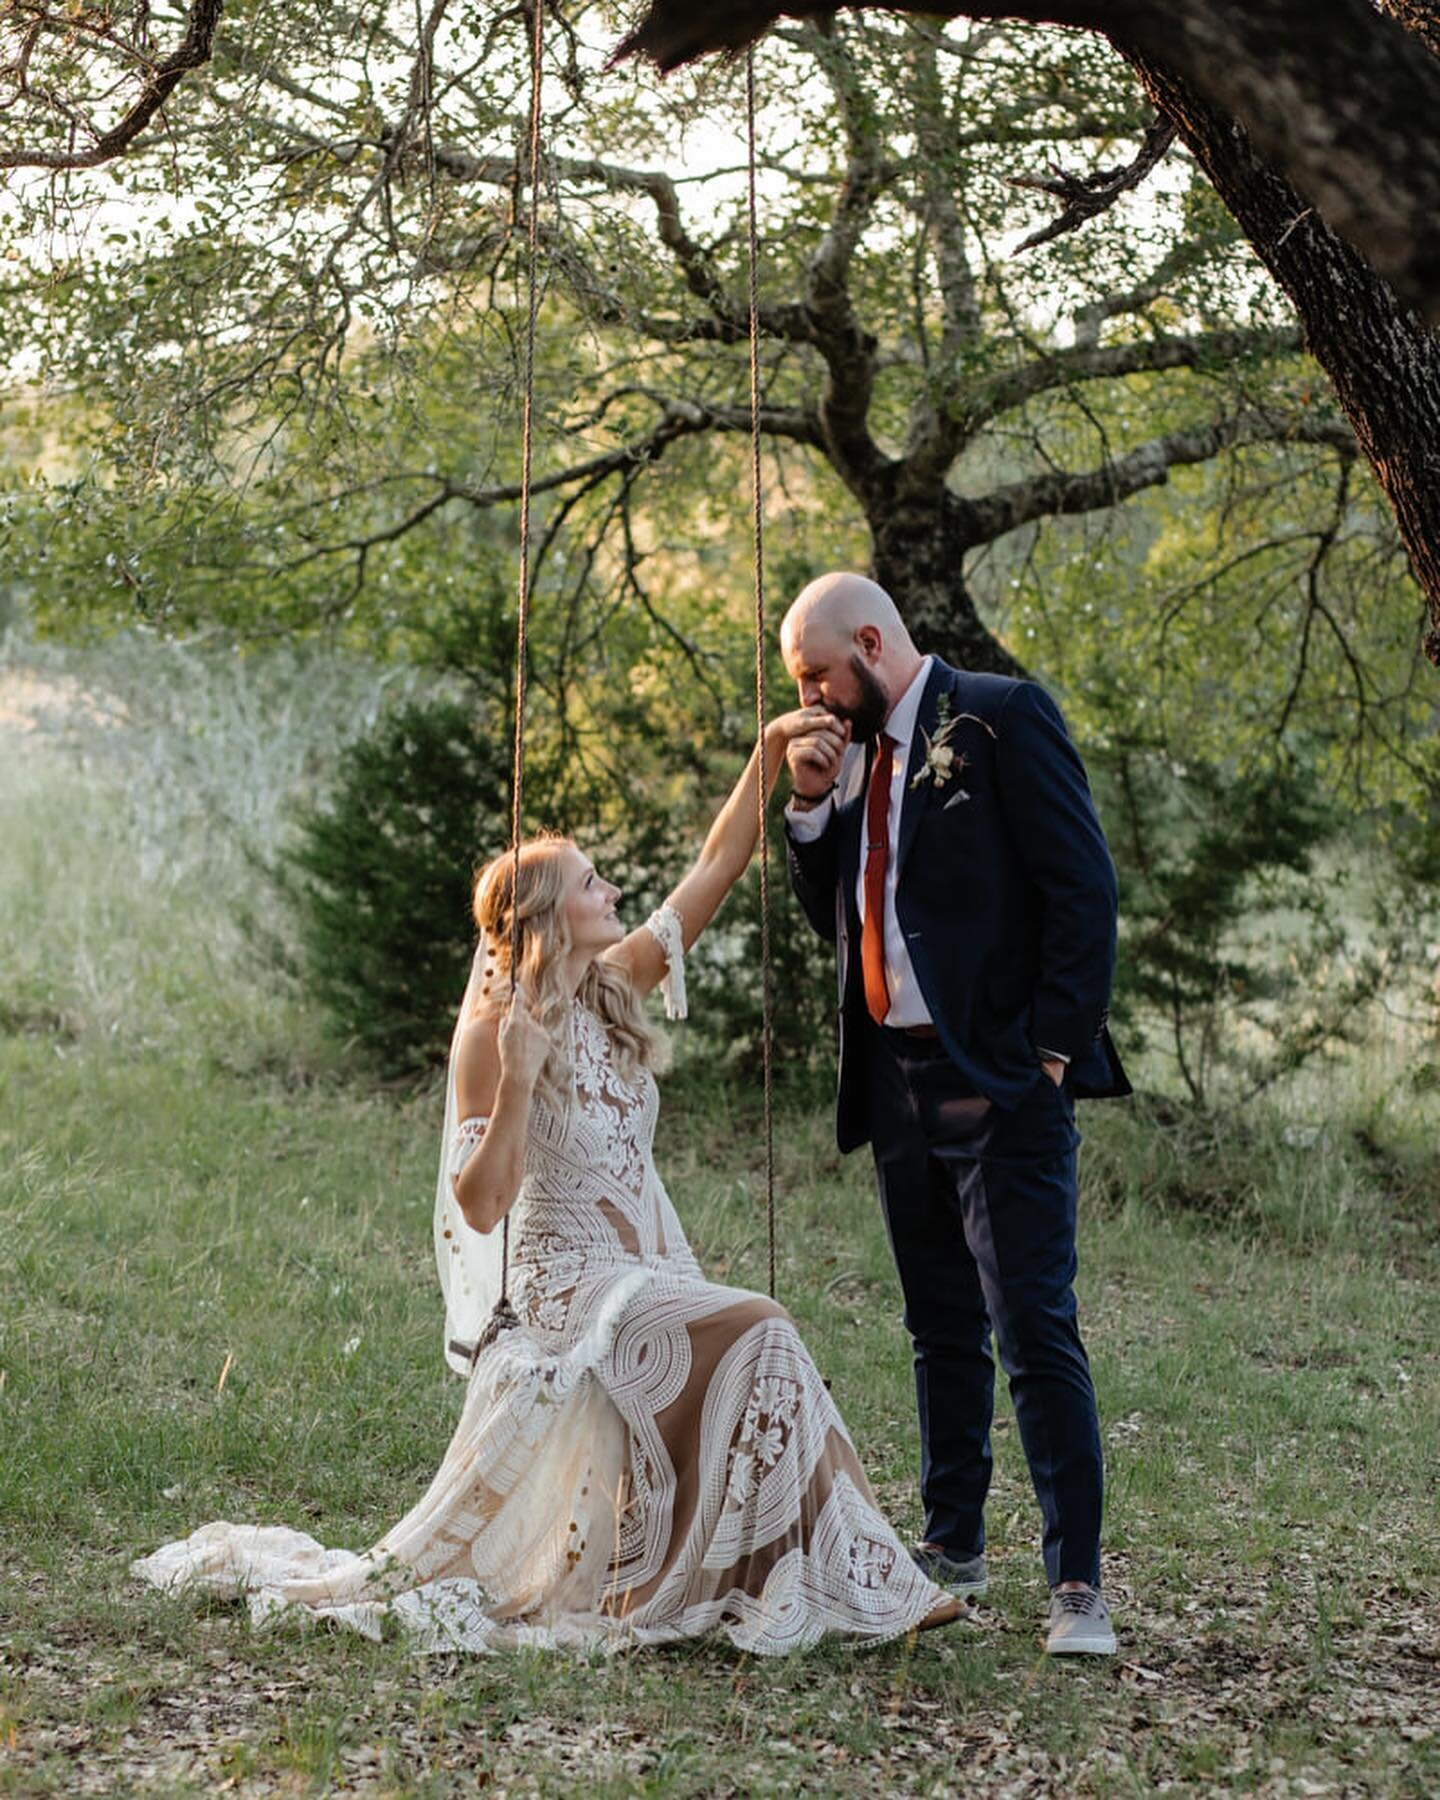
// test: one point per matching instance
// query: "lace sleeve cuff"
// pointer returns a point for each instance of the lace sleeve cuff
(466, 1141)
(665, 927)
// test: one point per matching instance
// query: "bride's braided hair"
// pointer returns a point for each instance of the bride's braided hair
(544, 943)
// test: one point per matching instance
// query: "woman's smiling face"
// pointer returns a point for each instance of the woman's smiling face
(590, 903)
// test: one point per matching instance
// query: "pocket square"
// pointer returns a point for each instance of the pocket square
(955, 799)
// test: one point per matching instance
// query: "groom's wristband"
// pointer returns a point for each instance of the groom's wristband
(808, 802)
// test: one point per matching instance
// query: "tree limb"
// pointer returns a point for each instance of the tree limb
(1059, 493)
(1187, 254)
(995, 394)
(1335, 101)
(161, 79)
(1086, 196)
(679, 419)
(693, 260)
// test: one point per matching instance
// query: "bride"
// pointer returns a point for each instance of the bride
(644, 1455)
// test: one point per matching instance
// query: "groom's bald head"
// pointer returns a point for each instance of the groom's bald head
(833, 608)
(847, 649)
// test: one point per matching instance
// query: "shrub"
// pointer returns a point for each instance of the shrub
(379, 883)
(1233, 956)
(381, 873)
(727, 978)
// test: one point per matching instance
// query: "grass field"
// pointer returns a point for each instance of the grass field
(218, 1300)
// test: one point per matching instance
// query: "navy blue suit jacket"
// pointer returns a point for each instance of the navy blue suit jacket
(1005, 894)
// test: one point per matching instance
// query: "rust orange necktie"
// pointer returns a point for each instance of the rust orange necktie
(877, 858)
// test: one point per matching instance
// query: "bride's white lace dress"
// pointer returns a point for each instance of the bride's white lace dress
(647, 1457)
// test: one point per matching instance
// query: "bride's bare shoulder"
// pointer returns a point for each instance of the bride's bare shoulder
(477, 1065)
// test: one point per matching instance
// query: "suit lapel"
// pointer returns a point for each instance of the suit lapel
(915, 799)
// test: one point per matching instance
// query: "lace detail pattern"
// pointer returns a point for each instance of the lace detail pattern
(469, 1134)
(647, 1457)
(668, 929)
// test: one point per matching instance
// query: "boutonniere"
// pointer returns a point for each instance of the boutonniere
(942, 759)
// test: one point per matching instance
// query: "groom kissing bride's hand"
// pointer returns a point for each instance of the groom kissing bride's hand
(814, 759)
(943, 838)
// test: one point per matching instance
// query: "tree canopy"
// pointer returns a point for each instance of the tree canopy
(285, 323)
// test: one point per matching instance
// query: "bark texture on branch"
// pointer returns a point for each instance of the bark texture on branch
(160, 81)
(1335, 106)
(1383, 362)
(1339, 101)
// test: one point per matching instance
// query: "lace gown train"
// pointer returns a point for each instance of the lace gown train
(647, 1457)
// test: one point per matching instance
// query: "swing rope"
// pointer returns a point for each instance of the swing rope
(757, 515)
(504, 1314)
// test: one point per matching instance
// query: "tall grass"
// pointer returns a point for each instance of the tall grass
(145, 785)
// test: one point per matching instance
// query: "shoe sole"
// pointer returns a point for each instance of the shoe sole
(965, 1590)
(1071, 1646)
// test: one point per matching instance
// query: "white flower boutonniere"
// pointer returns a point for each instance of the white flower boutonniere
(942, 759)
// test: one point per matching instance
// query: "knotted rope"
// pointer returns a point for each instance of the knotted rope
(504, 1314)
(757, 516)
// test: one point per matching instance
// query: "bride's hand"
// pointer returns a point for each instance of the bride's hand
(814, 742)
(524, 1041)
(805, 722)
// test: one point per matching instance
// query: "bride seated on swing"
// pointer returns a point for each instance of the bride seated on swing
(643, 1455)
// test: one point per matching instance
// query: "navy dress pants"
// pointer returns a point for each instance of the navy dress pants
(980, 1207)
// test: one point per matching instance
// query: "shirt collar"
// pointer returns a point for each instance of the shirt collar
(901, 723)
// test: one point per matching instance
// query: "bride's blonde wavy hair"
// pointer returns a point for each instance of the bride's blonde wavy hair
(545, 942)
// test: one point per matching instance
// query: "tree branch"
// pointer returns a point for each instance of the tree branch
(848, 349)
(1059, 493)
(194, 50)
(1086, 196)
(996, 394)
(701, 276)
(679, 419)
(1334, 101)
(1189, 253)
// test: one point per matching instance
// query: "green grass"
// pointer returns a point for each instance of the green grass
(1270, 1415)
(191, 1184)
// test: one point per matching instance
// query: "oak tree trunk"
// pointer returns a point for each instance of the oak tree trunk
(919, 559)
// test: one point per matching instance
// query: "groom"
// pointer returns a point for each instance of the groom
(944, 838)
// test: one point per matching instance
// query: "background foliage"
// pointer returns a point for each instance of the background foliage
(264, 391)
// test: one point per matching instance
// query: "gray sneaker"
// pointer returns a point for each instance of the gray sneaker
(966, 1576)
(1080, 1624)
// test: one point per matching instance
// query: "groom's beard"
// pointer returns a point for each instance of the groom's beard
(869, 712)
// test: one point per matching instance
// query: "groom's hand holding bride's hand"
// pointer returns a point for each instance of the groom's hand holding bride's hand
(814, 744)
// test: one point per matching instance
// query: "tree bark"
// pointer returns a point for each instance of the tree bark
(1337, 100)
(919, 543)
(160, 80)
(1384, 362)
(1260, 100)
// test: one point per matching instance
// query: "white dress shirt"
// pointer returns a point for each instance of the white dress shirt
(907, 1003)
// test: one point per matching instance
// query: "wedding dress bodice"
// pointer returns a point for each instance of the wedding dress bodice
(592, 1204)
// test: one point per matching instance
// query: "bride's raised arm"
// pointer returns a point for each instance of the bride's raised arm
(728, 846)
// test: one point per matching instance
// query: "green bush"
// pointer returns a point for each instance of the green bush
(1234, 957)
(381, 873)
(379, 884)
(727, 985)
